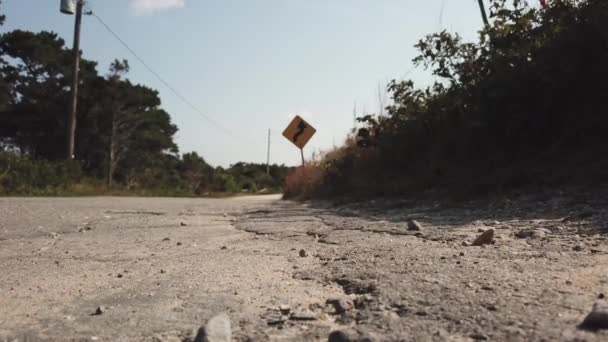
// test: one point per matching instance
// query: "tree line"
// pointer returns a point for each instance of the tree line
(124, 138)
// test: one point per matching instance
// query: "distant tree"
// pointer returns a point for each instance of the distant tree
(35, 69)
(122, 124)
(2, 16)
(3, 85)
(195, 173)
(139, 130)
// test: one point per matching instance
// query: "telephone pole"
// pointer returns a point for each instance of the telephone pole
(484, 16)
(268, 156)
(71, 132)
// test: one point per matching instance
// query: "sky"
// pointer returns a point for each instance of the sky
(252, 65)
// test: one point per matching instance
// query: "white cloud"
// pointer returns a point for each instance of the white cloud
(144, 7)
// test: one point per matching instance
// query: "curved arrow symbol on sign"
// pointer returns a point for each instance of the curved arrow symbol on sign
(301, 128)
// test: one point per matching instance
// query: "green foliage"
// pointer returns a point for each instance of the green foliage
(530, 88)
(24, 176)
(252, 177)
(223, 182)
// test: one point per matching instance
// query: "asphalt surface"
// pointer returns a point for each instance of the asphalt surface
(156, 269)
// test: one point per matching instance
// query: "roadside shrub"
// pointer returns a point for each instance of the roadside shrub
(22, 176)
(304, 182)
(503, 110)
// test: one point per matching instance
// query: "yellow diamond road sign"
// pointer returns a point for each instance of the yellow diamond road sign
(299, 132)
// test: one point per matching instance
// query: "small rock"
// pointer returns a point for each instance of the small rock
(485, 238)
(275, 320)
(303, 253)
(217, 329)
(598, 318)
(162, 271)
(531, 233)
(577, 248)
(461, 253)
(182, 224)
(285, 309)
(179, 243)
(478, 337)
(339, 336)
(481, 230)
(224, 247)
(99, 311)
(413, 225)
(601, 296)
(119, 275)
(303, 315)
(166, 239)
(85, 229)
(491, 307)
(340, 305)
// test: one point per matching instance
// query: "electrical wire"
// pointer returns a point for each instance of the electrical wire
(163, 81)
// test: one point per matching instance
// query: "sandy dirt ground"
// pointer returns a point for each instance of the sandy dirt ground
(156, 269)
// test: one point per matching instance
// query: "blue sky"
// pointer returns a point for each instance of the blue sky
(252, 65)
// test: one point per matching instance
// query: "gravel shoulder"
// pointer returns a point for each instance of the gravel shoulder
(157, 269)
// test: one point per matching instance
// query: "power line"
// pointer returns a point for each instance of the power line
(163, 81)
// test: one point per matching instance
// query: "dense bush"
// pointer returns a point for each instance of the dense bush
(23, 176)
(528, 93)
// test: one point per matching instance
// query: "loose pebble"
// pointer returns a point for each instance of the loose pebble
(341, 305)
(339, 336)
(217, 329)
(486, 238)
(99, 311)
(285, 309)
(413, 225)
(597, 319)
(304, 315)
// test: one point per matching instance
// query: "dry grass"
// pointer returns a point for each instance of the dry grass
(304, 182)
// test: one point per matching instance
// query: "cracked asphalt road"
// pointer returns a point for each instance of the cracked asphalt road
(161, 267)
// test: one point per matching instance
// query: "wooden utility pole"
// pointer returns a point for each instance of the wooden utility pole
(71, 133)
(268, 156)
(484, 16)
